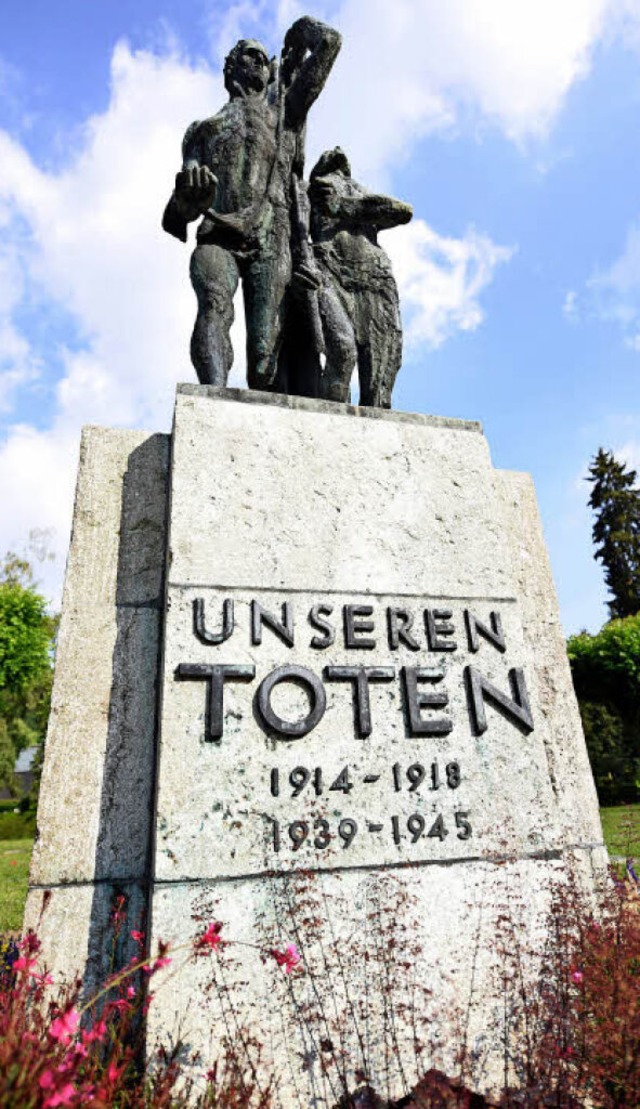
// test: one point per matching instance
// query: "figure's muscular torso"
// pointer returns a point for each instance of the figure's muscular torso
(239, 146)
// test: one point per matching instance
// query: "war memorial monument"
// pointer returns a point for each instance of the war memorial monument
(311, 681)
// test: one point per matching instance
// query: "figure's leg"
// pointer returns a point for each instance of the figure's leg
(365, 376)
(390, 362)
(264, 284)
(380, 354)
(340, 345)
(214, 276)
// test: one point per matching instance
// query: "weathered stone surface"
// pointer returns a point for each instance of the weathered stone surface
(403, 971)
(405, 922)
(568, 765)
(94, 814)
(309, 504)
(381, 505)
(77, 929)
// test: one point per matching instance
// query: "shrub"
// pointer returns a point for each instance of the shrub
(573, 1040)
(17, 825)
(606, 676)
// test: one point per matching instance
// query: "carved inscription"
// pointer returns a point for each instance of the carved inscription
(358, 729)
(423, 690)
(321, 832)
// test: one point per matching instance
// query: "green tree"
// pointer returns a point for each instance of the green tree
(27, 639)
(616, 531)
(606, 676)
(7, 757)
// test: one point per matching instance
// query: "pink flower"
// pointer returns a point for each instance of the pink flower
(113, 1072)
(64, 1095)
(577, 976)
(24, 963)
(289, 958)
(120, 1006)
(137, 936)
(64, 1027)
(163, 961)
(211, 938)
(131, 991)
(30, 943)
(96, 1033)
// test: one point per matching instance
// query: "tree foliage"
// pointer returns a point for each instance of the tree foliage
(616, 531)
(606, 676)
(27, 639)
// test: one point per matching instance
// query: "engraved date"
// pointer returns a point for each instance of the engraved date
(300, 777)
(319, 833)
(412, 778)
(416, 775)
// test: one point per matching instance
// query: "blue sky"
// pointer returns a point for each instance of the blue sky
(511, 126)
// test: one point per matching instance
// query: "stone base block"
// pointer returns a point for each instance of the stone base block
(342, 718)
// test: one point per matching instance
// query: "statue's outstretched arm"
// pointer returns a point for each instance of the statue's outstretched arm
(195, 189)
(309, 51)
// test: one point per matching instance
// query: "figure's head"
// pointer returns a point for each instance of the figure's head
(247, 66)
(331, 161)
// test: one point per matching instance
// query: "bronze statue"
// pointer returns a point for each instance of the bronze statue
(319, 294)
(237, 173)
(351, 273)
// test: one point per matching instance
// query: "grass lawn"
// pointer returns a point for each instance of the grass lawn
(15, 855)
(621, 827)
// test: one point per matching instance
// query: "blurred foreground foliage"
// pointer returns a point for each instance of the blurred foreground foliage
(606, 676)
(568, 1036)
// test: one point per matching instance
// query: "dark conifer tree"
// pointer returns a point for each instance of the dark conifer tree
(616, 531)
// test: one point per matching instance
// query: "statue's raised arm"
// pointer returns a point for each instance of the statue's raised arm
(309, 51)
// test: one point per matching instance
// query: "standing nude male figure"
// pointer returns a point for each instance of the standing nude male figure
(237, 174)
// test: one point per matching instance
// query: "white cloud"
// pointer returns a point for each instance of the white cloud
(94, 248)
(625, 22)
(629, 454)
(570, 305)
(615, 292)
(416, 66)
(440, 279)
(18, 366)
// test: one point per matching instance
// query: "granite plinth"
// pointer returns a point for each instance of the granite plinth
(366, 739)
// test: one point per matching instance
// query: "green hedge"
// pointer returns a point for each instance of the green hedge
(17, 825)
(606, 676)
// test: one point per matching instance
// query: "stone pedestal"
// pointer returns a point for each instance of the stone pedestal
(366, 740)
